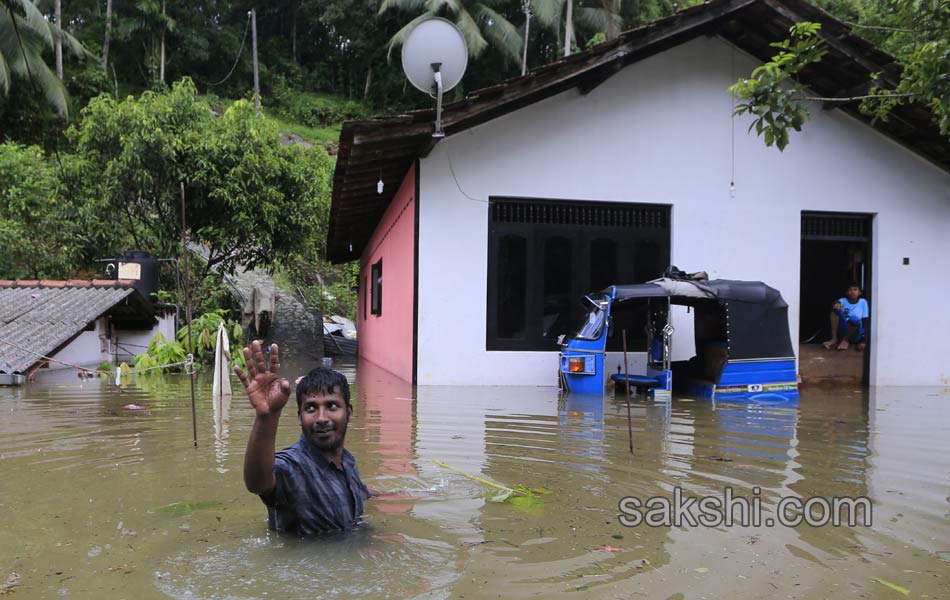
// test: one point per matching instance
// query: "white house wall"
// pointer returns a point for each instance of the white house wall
(92, 348)
(661, 132)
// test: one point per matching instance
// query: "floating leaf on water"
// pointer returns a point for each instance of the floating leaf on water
(482, 480)
(520, 496)
(183, 508)
(617, 536)
(893, 586)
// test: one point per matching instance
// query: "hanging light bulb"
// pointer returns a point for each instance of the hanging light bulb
(379, 184)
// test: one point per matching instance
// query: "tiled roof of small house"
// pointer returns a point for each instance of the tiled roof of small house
(38, 317)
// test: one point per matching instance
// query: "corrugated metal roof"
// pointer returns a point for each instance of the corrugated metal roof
(38, 319)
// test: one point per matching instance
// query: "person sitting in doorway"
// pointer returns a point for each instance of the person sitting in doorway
(847, 320)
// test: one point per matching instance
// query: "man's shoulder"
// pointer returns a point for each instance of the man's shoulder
(294, 455)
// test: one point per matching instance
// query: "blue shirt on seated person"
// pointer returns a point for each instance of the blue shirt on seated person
(847, 320)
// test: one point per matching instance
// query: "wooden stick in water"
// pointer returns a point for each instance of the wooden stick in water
(191, 341)
(626, 375)
(480, 480)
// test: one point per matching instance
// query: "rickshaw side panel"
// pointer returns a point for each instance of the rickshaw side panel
(772, 381)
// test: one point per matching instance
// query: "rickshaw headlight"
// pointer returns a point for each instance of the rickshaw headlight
(576, 364)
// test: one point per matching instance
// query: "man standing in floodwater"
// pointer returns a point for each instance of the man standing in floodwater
(312, 487)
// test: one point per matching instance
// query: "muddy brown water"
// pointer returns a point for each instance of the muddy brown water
(98, 501)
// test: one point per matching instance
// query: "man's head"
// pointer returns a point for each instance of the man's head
(324, 409)
(853, 293)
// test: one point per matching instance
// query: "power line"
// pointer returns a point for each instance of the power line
(240, 51)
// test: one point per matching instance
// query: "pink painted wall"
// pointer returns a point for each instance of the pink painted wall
(386, 339)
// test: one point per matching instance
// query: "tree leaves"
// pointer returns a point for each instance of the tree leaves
(771, 93)
(249, 199)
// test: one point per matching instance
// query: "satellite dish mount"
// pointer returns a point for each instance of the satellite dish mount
(434, 58)
(437, 75)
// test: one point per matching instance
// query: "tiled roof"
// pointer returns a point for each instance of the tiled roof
(37, 317)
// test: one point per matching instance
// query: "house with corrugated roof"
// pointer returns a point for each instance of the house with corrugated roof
(56, 324)
(611, 164)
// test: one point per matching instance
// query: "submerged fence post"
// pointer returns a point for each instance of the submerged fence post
(626, 375)
(191, 341)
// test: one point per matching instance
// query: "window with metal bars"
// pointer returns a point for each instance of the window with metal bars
(543, 256)
(836, 226)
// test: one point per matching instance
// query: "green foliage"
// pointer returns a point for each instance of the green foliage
(519, 496)
(204, 331)
(160, 352)
(771, 95)
(249, 198)
(330, 289)
(598, 38)
(914, 31)
(39, 234)
(479, 23)
(922, 41)
(313, 110)
(24, 36)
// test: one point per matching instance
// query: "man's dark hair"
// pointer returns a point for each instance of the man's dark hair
(854, 284)
(322, 380)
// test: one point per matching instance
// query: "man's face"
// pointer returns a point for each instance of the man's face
(853, 293)
(323, 419)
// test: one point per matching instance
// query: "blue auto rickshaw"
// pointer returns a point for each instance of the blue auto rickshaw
(743, 347)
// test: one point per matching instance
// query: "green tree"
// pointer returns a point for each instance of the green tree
(479, 22)
(916, 32)
(24, 35)
(38, 235)
(249, 199)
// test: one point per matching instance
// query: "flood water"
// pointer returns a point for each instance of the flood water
(97, 501)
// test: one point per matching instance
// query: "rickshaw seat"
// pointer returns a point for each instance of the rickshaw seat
(637, 381)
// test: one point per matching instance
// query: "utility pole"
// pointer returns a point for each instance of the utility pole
(161, 64)
(569, 28)
(108, 38)
(526, 6)
(58, 45)
(257, 85)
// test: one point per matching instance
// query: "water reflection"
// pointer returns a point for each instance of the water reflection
(221, 406)
(107, 498)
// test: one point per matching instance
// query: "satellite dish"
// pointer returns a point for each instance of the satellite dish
(434, 58)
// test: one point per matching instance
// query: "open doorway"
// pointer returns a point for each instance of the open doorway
(835, 252)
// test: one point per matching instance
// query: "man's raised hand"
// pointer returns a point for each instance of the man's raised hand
(267, 391)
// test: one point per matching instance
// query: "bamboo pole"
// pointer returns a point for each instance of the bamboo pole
(626, 375)
(191, 340)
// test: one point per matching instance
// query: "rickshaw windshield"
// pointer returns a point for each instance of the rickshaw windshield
(593, 325)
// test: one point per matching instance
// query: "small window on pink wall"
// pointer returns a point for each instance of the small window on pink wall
(376, 277)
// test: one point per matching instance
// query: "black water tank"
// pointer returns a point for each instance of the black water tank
(142, 267)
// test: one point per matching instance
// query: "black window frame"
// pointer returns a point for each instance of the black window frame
(376, 292)
(633, 227)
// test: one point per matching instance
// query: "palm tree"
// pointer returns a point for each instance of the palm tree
(479, 23)
(24, 34)
(603, 18)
